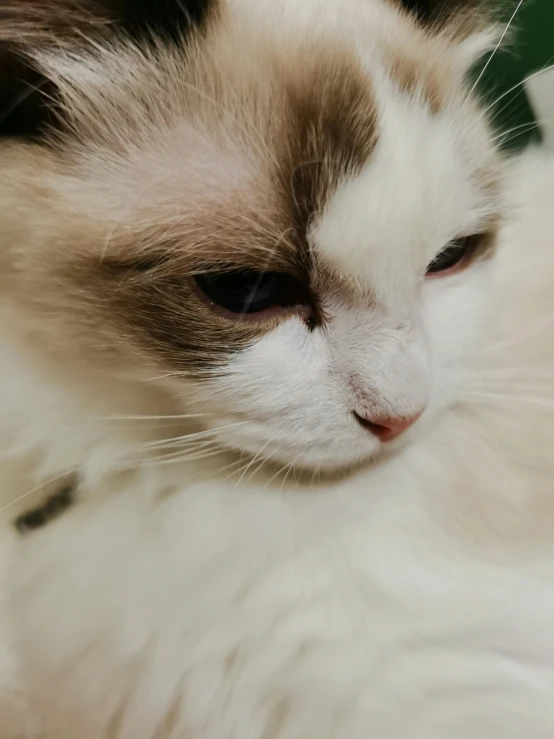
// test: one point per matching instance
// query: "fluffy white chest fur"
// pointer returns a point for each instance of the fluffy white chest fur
(415, 599)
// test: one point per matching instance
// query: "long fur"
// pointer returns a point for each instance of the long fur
(242, 560)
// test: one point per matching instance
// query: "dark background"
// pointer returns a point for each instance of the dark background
(531, 48)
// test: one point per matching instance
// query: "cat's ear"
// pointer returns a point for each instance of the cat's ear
(472, 25)
(170, 19)
(438, 13)
(29, 28)
(139, 19)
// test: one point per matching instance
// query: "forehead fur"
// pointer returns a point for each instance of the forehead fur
(265, 132)
(221, 151)
(271, 109)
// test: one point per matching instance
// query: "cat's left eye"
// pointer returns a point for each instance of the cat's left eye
(247, 292)
(455, 256)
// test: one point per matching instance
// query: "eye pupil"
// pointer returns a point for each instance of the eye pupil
(453, 255)
(250, 292)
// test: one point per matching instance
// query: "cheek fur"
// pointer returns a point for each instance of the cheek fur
(296, 391)
(455, 312)
(292, 406)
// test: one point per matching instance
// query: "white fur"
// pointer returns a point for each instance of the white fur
(412, 599)
(415, 599)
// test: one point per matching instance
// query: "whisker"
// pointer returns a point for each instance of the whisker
(264, 459)
(230, 466)
(317, 471)
(169, 417)
(493, 54)
(259, 467)
(187, 437)
(527, 126)
(175, 449)
(291, 467)
(276, 475)
(182, 458)
(37, 488)
(515, 87)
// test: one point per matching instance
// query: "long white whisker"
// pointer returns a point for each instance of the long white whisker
(179, 441)
(182, 451)
(259, 467)
(238, 464)
(515, 87)
(182, 454)
(37, 488)
(317, 471)
(170, 459)
(491, 57)
(254, 460)
(527, 126)
(279, 472)
(188, 437)
(175, 417)
(291, 467)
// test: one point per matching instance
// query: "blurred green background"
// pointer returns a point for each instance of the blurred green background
(530, 50)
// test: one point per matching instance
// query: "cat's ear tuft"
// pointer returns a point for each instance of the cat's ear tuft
(472, 25)
(169, 19)
(139, 19)
(440, 13)
(29, 28)
(26, 96)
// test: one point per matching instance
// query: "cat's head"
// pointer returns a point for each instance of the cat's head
(276, 215)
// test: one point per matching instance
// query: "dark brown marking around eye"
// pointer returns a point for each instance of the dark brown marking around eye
(160, 310)
(325, 133)
(318, 127)
(485, 245)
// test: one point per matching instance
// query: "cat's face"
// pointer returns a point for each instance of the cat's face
(285, 226)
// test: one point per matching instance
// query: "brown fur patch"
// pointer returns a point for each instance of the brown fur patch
(164, 314)
(418, 80)
(110, 276)
(330, 133)
(421, 69)
(317, 128)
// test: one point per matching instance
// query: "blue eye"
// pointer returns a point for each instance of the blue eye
(250, 292)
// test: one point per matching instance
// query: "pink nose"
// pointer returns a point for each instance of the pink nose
(387, 429)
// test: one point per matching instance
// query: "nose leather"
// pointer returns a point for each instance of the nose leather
(387, 429)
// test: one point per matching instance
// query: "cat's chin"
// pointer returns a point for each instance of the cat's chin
(309, 466)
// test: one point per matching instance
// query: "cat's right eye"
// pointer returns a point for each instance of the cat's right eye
(455, 256)
(248, 292)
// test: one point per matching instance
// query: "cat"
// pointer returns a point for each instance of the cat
(275, 373)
